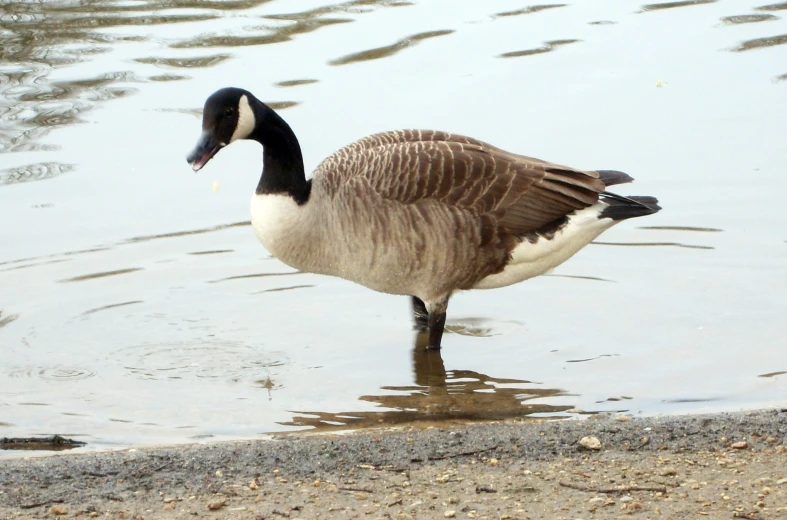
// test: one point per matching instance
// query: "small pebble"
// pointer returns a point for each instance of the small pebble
(450, 513)
(740, 445)
(217, 504)
(59, 510)
(590, 443)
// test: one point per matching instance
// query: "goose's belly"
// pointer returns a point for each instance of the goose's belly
(384, 249)
(356, 249)
(533, 259)
(395, 251)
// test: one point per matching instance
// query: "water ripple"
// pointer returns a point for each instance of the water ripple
(481, 327)
(547, 47)
(41, 37)
(388, 50)
(671, 5)
(226, 360)
(33, 172)
(773, 7)
(652, 244)
(186, 63)
(529, 10)
(295, 82)
(748, 18)
(56, 373)
(761, 43)
(103, 274)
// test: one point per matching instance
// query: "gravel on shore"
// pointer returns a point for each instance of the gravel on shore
(731, 465)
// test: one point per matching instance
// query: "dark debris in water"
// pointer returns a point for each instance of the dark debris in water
(53, 443)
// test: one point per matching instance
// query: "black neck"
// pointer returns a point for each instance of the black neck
(282, 162)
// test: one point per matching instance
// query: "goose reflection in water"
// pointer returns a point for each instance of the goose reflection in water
(440, 396)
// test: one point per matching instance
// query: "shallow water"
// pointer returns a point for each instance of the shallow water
(136, 306)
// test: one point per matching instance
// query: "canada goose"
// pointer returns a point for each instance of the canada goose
(415, 212)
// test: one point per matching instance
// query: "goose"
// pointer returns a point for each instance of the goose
(420, 213)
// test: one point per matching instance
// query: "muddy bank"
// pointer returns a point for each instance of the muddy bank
(724, 466)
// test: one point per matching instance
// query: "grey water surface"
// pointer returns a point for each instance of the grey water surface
(138, 308)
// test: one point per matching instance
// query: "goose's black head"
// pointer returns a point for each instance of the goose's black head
(228, 116)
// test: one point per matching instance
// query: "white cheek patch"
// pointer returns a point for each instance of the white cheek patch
(246, 120)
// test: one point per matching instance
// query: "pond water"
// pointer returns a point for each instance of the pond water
(137, 307)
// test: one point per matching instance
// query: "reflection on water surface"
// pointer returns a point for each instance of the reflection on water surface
(439, 396)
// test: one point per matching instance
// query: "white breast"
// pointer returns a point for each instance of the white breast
(284, 229)
(533, 259)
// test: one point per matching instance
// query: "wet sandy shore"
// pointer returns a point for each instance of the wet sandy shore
(719, 466)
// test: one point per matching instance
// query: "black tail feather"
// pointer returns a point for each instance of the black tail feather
(612, 177)
(621, 208)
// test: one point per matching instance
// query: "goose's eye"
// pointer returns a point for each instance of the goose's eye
(228, 112)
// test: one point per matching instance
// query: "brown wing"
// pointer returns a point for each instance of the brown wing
(522, 194)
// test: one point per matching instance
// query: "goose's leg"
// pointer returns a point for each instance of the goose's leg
(420, 315)
(436, 322)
